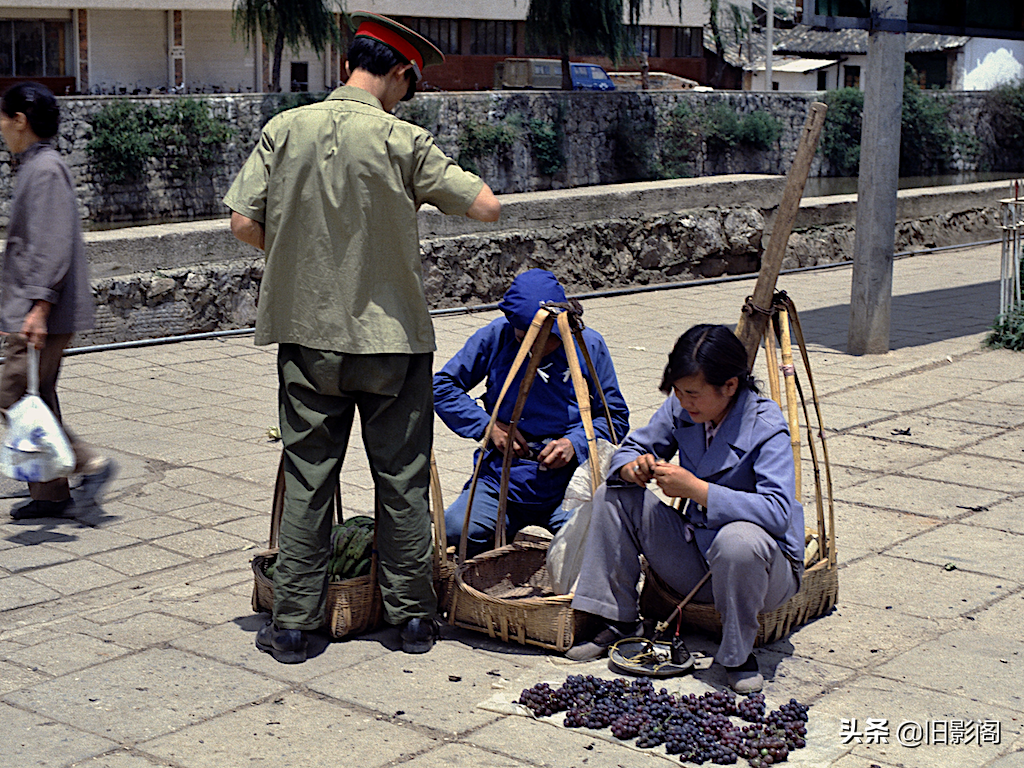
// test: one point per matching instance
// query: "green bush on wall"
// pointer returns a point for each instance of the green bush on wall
(477, 140)
(126, 135)
(840, 136)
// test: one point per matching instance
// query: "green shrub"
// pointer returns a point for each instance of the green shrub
(724, 129)
(721, 128)
(926, 140)
(759, 130)
(1008, 331)
(682, 134)
(840, 136)
(633, 153)
(127, 135)
(1006, 106)
(190, 139)
(122, 140)
(477, 140)
(546, 141)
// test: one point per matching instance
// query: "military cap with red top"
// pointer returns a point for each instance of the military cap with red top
(410, 45)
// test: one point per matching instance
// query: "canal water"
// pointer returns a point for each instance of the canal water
(821, 186)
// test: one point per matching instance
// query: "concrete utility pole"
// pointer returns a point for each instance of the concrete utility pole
(871, 292)
(769, 44)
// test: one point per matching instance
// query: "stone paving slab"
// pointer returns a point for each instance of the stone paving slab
(143, 602)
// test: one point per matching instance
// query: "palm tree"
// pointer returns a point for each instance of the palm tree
(287, 22)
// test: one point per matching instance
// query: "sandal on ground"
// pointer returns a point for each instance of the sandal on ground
(640, 656)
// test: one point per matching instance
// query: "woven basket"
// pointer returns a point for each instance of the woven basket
(354, 606)
(817, 595)
(506, 593)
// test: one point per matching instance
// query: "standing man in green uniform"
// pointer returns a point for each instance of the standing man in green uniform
(331, 194)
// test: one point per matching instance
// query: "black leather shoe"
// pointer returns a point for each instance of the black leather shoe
(419, 635)
(288, 646)
(36, 509)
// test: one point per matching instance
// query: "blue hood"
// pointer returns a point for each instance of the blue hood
(527, 292)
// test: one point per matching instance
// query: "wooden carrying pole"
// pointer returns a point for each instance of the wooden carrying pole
(755, 315)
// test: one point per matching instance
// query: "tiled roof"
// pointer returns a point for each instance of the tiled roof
(805, 40)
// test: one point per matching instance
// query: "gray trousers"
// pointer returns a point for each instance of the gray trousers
(318, 397)
(749, 572)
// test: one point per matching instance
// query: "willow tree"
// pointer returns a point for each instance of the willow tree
(287, 22)
(581, 25)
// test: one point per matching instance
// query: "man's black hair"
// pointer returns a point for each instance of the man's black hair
(38, 104)
(373, 56)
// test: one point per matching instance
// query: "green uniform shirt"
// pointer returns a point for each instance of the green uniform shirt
(337, 186)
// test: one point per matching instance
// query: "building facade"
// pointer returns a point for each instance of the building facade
(144, 46)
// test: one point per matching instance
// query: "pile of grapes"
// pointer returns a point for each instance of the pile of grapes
(697, 728)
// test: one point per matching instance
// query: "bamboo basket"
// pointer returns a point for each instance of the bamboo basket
(817, 596)
(506, 593)
(354, 606)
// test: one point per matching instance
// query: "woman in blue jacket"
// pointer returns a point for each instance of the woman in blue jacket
(549, 442)
(741, 520)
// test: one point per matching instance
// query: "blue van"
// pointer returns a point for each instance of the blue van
(547, 73)
(590, 77)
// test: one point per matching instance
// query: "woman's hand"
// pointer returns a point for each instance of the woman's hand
(640, 470)
(678, 482)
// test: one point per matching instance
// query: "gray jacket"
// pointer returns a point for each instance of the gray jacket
(45, 256)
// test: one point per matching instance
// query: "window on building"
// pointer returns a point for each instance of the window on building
(492, 38)
(444, 33)
(35, 48)
(851, 76)
(822, 80)
(689, 42)
(647, 40)
(775, 85)
(300, 76)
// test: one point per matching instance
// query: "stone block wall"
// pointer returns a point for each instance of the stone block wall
(604, 138)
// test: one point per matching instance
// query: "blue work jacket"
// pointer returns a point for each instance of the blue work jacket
(550, 412)
(749, 467)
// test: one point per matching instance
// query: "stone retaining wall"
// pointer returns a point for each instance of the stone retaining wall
(603, 139)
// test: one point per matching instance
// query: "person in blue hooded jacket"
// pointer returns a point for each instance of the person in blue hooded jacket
(740, 518)
(549, 442)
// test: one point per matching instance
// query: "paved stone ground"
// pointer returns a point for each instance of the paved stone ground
(126, 633)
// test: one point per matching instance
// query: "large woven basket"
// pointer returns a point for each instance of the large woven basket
(817, 595)
(506, 593)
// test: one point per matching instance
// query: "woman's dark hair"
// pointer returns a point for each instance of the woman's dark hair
(39, 105)
(712, 350)
(373, 56)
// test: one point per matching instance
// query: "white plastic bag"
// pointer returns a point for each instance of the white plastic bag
(565, 553)
(35, 448)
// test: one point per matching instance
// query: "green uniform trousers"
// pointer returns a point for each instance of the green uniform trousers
(318, 394)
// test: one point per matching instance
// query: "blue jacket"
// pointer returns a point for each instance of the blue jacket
(749, 467)
(550, 412)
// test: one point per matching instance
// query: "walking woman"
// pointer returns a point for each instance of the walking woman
(45, 283)
(742, 521)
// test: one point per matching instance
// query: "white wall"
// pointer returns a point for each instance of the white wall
(213, 57)
(988, 63)
(126, 47)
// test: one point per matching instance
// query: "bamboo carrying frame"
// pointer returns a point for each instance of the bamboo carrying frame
(354, 606)
(506, 592)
